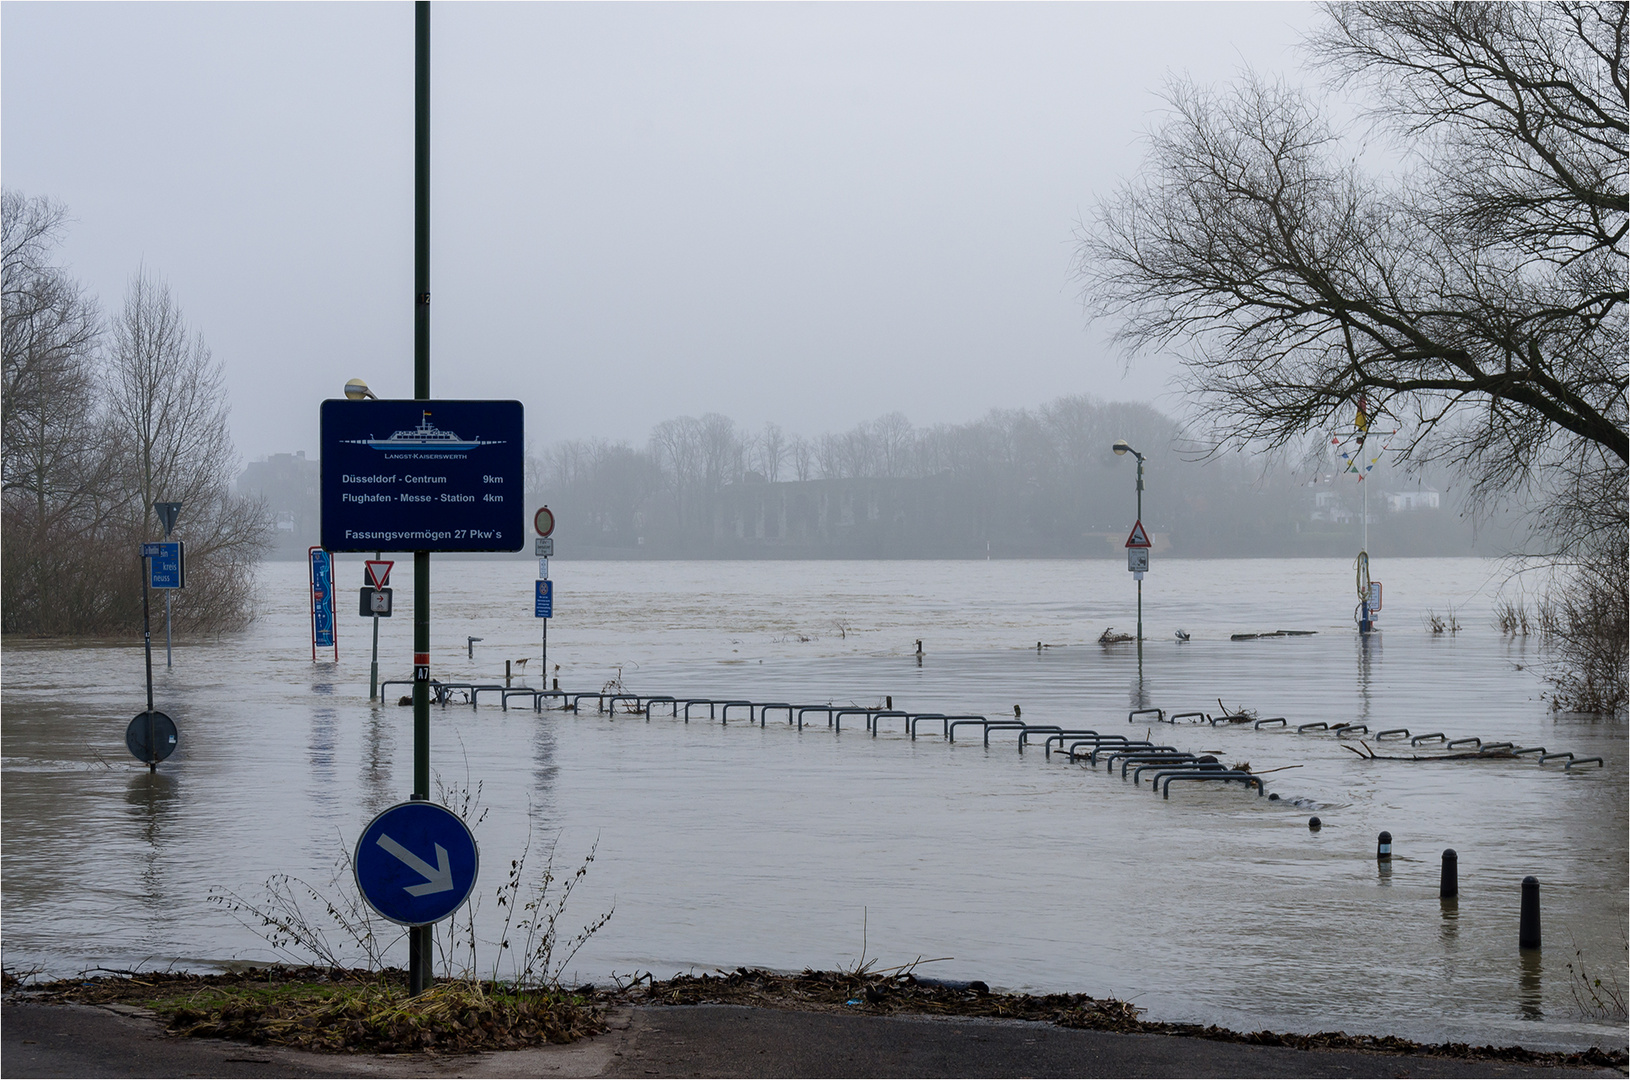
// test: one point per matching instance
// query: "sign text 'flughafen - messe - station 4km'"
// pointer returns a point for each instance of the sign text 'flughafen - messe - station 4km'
(423, 476)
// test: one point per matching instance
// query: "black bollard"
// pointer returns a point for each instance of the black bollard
(1383, 847)
(919, 646)
(888, 702)
(1528, 925)
(557, 684)
(1449, 881)
(1015, 712)
(1313, 824)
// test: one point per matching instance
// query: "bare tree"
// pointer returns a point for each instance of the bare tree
(771, 451)
(894, 438)
(829, 457)
(54, 456)
(677, 447)
(168, 412)
(722, 452)
(93, 437)
(858, 455)
(1479, 300)
(48, 394)
(801, 452)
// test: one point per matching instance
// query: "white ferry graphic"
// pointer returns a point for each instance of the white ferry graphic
(427, 436)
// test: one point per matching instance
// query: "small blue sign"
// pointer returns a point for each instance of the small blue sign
(167, 565)
(423, 475)
(416, 863)
(545, 600)
(322, 599)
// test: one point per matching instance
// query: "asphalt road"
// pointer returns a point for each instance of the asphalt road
(705, 1040)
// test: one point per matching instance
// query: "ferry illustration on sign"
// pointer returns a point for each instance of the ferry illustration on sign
(427, 436)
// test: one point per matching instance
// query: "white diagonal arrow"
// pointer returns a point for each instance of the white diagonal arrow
(438, 878)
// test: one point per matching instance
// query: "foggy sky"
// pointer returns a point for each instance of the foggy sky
(812, 214)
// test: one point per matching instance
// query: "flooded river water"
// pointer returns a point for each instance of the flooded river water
(726, 845)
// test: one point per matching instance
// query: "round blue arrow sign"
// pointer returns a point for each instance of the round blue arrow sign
(416, 863)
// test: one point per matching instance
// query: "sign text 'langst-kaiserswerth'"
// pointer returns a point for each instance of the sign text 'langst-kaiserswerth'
(423, 476)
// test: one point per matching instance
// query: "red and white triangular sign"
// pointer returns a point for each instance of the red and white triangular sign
(1139, 538)
(378, 571)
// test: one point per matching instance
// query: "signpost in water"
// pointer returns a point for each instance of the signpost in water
(151, 736)
(167, 513)
(323, 635)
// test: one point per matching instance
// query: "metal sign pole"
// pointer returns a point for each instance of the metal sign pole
(373, 666)
(420, 937)
(147, 646)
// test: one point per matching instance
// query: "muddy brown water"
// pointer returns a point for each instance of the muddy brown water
(725, 845)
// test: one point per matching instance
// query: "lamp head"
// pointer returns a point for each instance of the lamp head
(1120, 447)
(357, 390)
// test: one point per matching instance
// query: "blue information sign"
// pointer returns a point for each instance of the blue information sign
(545, 600)
(423, 476)
(167, 565)
(416, 863)
(322, 599)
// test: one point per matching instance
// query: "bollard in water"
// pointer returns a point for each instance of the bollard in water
(557, 684)
(1383, 847)
(888, 702)
(1528, 925)
(919, 646)
(1449, 881)
(1015, 712)
(1313, 824)
(506, 672)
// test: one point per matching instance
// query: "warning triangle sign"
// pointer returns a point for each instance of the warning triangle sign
(1139, 538)
(378, 571)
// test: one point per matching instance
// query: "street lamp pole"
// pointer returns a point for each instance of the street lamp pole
(1122, 449)
(357, 390)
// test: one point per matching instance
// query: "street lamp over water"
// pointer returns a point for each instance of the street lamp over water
(1122, 448)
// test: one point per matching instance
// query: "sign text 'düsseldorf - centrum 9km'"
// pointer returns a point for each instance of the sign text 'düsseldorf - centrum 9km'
(422, 476)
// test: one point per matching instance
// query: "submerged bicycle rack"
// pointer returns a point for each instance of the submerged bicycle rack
(1494, 750)
(1167, 763)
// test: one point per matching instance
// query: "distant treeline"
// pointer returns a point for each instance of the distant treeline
(1038, 482)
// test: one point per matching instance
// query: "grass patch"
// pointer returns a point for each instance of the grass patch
(345, 1010)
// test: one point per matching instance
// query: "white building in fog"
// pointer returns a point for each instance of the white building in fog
(1421, 499)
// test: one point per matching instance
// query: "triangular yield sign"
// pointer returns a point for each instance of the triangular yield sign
(1139, 538)
(167, 513)
(379, 571)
